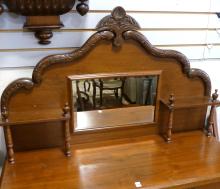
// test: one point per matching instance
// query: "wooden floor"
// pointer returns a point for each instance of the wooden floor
(190, 160)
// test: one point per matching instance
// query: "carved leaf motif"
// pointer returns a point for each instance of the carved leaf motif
(118, 22)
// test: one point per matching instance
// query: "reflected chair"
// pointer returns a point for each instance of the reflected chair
(82, 97)
(114, 84)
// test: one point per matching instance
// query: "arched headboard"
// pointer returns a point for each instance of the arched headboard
(117, 46)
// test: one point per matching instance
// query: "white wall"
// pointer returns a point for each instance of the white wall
(189, 26)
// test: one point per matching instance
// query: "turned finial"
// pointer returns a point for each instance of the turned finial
(82, 8)
(215, 95)
(171, 100)
(66, 109)
(4, 113)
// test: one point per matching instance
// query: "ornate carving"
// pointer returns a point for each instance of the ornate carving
(181, 58)
(118, 22)
(69, 57)
(82, 8)
(23, 83)
(39, 8)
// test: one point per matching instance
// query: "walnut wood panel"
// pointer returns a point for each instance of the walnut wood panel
(131, 52)
(191, 161)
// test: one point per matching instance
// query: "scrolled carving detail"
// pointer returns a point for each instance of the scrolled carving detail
(118, 22)
(23, 83)
(69, 57)
(181, 58)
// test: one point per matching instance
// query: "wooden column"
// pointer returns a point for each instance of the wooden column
(170, 119)
(210, 127)
(66, 114)
(8, 137)
(9, 143)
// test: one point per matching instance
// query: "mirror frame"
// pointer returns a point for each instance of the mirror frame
(109, 75)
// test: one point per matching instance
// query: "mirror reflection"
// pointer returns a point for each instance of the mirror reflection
(116, 101)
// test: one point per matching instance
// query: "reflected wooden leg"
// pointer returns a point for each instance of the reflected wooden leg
(121, 98)
(9, 143)
(94, 95)
(101, 93)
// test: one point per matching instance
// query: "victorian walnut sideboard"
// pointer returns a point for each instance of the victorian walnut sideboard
(155, 137)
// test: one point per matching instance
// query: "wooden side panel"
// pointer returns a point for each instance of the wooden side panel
(35, 136)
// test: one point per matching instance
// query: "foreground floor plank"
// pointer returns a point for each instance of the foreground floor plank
(190, 160)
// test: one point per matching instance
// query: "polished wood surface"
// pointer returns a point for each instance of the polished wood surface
(117, 117)
(191, 160)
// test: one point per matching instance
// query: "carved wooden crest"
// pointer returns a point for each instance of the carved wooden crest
(118, 22)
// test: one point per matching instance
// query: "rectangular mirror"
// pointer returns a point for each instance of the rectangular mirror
(107, 101)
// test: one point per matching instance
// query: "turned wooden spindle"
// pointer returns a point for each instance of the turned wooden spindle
(210, 128)
(8, 137)
(9, 143)
(66, 114)
(170, 119)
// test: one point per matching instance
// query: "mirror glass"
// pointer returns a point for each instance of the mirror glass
(113, 102)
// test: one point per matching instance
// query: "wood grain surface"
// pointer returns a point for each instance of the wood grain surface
(190, 161)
